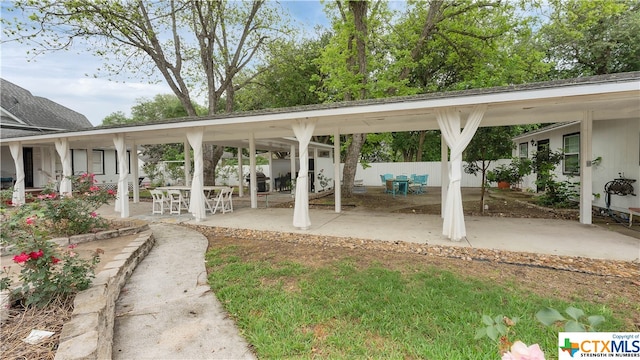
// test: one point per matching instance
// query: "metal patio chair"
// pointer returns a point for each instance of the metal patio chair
(387, 188)
(419, 184)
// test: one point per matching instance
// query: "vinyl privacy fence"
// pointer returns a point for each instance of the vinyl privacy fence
(371, 175)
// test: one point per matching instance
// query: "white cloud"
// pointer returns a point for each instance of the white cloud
(66, 77)
(61, 77)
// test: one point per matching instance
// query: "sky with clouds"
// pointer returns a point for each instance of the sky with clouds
(62, 76)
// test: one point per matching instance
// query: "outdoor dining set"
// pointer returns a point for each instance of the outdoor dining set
(175, 199)
(403, 184)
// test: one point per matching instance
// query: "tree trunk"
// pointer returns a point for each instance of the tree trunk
(482, 188)
(351, 163)
(421, 138)
(212, 155)
(358, 65)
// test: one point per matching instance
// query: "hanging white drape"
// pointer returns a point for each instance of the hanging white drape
(62, 147)
(196, 201)
(122, 200)
(18, 187)
(449, 123)
(303, 131)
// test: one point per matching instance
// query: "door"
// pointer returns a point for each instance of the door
(543, 146)
(27, 160)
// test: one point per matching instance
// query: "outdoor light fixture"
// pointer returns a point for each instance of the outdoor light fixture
(533, 142)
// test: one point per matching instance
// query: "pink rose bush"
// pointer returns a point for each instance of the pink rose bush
(47, 271)
(520, 351)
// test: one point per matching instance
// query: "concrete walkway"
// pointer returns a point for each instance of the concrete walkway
(166, 309)
(554, 237)
(543, 236)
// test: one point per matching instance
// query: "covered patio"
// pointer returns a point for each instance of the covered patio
(456, 114)
(526, 235)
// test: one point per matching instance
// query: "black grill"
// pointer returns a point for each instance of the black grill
(261, 179)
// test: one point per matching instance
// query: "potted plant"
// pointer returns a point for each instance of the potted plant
(511, 174)
(502, 175)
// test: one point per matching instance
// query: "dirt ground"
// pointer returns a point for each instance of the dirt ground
(500, 203)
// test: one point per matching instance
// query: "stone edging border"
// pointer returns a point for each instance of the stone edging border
(129, 227)
(89, 332)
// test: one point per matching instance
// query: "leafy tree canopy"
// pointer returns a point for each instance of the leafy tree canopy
(585, 38)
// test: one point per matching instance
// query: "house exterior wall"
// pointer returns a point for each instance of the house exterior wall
(47, 166)
(7, 167)
(555, 144)
(616, 142)
(108, 177)
(44, 165)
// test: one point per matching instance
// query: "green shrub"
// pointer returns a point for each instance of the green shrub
(47, 270)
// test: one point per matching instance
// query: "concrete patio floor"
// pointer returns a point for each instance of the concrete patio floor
(543, 236)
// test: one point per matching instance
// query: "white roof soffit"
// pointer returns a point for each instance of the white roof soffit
(611, 98)
(545, 130)
(279, 144)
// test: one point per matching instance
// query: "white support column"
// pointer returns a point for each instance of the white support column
(89, 160)
(316, 183)
(303, 129)
(122, 198)
(53, 164)
(197, 201)
(240, 174)
(18, 197)
(272, 178)
(292, 157)
(444, 173)
(337, 188)
(134, 172)
(586, 179)
(187, 163)
(449, 122)
(253, 182)
(62, 148)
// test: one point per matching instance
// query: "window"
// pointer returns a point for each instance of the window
(98, 162)
(571, 149)
(523, 150)
(128, 160)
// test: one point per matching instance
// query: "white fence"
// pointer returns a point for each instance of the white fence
(371, 175)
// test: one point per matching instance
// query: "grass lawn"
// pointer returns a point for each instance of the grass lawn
(346, 308)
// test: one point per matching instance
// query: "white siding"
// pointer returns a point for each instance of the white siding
(617, 142)
(7, 166)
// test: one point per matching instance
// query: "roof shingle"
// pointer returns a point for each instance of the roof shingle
(34, 113)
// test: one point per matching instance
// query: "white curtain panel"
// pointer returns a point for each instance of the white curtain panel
(18, 187)
(449, 123)
(62, 147)
(122, 200)
(196, 202)
(303, 131)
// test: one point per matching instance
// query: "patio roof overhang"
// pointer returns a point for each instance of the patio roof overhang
(599, 98)
(607, 97)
